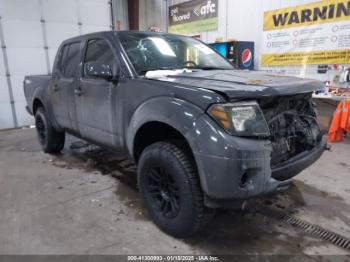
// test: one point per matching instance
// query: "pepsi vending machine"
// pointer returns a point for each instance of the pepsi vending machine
(240, 53)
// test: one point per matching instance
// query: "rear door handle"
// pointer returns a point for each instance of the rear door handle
(55, 87)
(78, 91)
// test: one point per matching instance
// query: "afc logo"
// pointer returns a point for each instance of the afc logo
(209, 8)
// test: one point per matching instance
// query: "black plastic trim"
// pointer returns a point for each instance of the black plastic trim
(299, 162)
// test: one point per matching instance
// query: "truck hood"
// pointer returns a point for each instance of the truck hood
(242, 84)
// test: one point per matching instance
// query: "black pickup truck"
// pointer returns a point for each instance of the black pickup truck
(203, 134)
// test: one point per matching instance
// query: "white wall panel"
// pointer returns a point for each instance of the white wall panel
(52, 54)
(20, 9)
(222, 21)
(18, 93)
(2, 67)
(57, 32)
(5, 115)
(270, 5)
(26, 61)
(60, 11)
(4, 93)
(95, 13)
(22, 34)
(6, 120)
(24, 119)
(246, 26)
(86, 29)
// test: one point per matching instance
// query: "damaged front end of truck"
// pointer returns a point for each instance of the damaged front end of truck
(279, 139)
(293, 128)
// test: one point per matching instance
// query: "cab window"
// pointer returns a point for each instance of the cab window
(70, 59)
(98, 51)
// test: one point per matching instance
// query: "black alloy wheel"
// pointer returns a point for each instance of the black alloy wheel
(41, 129)
(163, 190)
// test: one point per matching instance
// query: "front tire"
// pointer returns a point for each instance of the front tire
(171, 190)
(51, 140)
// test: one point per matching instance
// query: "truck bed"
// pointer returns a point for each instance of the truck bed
(32, 85)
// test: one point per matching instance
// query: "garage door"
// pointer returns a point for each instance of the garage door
(30, 33)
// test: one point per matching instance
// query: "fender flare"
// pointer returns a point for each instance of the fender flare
(175, 112)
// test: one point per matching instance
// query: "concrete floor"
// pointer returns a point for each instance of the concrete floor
(85, 201)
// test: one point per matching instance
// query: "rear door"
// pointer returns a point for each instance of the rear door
(64, 82)
(95, 98)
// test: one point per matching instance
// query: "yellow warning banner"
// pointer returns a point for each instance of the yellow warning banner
(310, 14)
(307, 58)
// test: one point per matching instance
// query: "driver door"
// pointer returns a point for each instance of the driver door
(95, 97)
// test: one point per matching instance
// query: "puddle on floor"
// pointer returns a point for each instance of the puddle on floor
(91, 158)
(301, 197)
(242, 232)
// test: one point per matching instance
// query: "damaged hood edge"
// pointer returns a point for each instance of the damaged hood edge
(244, 84)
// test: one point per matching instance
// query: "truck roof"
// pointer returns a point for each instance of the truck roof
(111, 33)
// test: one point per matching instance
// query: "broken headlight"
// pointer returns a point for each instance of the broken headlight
(241, 119)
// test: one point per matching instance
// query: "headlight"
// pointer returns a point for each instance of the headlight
(242, 118)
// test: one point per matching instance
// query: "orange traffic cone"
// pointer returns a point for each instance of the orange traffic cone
(345, 116)
(340, 122)
(334, 133)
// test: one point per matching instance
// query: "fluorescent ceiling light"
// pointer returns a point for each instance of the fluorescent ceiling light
(163, 46)
(204, 49)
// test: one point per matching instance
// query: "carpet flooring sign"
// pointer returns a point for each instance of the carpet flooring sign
(316, 33)
(193, 17)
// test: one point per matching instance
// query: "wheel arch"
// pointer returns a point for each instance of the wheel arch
(36, 104)
(41, 101)
(155, 131)
(161, 118)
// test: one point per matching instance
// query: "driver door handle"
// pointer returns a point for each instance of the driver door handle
(78, 91)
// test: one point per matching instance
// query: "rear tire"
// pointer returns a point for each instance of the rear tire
(51, 140)
(171, 190)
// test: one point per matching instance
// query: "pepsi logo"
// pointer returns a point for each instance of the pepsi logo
(247, 57)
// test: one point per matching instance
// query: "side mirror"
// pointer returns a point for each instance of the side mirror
(97, 70)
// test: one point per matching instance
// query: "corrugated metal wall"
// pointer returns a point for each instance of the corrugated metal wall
(30, 32)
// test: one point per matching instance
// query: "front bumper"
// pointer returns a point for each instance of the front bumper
(298, 163)
(235, 168)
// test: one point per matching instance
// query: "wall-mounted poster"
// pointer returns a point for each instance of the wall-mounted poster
(316, 33)
(193, 17)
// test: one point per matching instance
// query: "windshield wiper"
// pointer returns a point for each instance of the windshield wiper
(144, 71)
(210, 68)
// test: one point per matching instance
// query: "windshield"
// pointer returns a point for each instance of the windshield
(149, 52)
